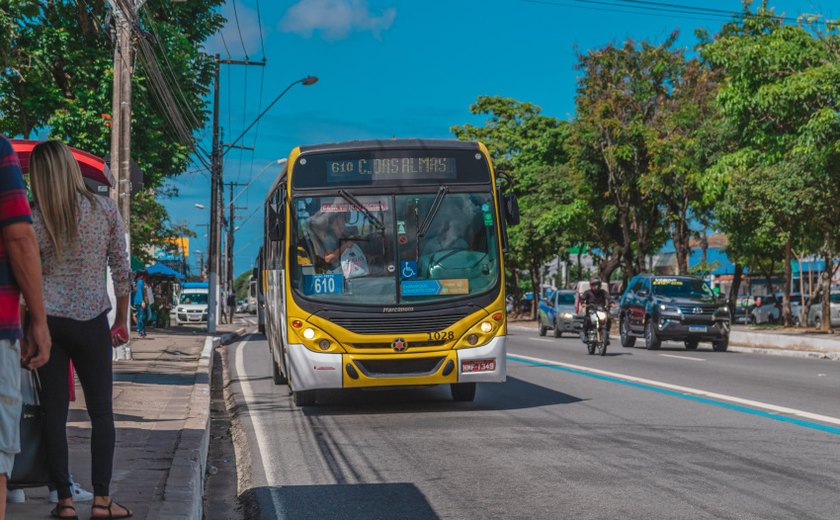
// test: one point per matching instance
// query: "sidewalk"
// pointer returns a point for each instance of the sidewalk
(758, 340)
(161, 409)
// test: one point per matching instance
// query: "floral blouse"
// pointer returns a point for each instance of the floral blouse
(75, 286)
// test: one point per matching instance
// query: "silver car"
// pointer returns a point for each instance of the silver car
(815, 315)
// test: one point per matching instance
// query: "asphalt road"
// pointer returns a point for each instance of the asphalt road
(635, 434)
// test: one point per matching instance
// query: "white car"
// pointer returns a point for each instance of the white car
(192, 304)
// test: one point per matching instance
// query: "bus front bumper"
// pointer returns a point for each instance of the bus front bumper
(315, 370)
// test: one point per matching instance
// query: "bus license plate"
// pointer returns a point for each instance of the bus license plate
(478, 365)
(697, 328)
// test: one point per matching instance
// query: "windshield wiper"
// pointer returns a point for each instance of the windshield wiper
(424, 227)
(359, 206)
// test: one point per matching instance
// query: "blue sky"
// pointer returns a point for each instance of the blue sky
(399, 68)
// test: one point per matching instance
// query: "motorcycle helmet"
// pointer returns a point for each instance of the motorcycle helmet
(595, 283)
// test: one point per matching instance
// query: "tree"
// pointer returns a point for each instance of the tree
(624, 99)
(780, 97)
(529, 148)
(57, 72)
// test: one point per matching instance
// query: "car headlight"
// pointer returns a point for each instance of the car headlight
(669, 309)
(723, 309)
(566, 315)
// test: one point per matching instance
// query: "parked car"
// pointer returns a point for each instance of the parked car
(557, 312)
(676, 308)
(815, 315)
(192, 303)
(768, 309)
(743, 309)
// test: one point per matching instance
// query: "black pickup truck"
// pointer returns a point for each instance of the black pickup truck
(675, 308)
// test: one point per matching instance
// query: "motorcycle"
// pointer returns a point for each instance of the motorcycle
(597, 336)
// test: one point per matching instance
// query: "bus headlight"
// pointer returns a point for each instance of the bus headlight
(472, 339)
(309, 333)
(486, 327)
(324, 344)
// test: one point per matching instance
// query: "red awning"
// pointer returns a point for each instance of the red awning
(92, 167)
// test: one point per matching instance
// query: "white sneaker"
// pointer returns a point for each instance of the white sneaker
(79, 494)
(15, 496)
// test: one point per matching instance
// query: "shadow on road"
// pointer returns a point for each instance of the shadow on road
(319, 502)
(515, 394)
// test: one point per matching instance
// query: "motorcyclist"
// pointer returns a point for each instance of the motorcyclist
(599, 299)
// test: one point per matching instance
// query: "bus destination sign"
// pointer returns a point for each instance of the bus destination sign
(369, 169)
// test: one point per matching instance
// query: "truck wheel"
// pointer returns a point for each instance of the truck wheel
(721, 345)
(543, 329)
(627, 341)
(462, 392)
(557, 332)
(691, 344)
(304, 397)
(651, 339)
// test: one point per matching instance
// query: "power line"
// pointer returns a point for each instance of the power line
(652, 8)
(259, 24)
(227, 51)
(239, 30)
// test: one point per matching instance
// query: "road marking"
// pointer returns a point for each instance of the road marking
(542, 339)
(683, 357)
(259, 428)
(693, 394)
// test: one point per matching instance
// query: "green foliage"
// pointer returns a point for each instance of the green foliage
(56, 74)
(240, 285)
(780, 100)
(529, 148)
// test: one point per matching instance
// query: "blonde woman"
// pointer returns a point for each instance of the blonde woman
(79, 235)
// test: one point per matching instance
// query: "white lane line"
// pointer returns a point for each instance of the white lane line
(542, 339)
(688, 390)
(259, 428)
(683, 357)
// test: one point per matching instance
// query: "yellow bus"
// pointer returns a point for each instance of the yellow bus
(383, 267)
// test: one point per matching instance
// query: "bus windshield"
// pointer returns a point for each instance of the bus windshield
(374, 255)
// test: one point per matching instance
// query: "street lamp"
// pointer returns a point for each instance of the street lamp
(218, 154)
(306, 81)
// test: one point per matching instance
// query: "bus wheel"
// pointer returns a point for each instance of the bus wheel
(304, 397)
(278, 376)
(462, 391)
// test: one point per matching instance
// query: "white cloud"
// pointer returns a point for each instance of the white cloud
(335, 19)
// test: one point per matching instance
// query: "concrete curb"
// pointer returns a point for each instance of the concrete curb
(230, 337)
(183, 492)
(783, 341)
(746, 343)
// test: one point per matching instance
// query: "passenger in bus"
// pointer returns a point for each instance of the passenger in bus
(329, 239)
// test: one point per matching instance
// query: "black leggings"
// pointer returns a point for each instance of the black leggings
(88, 344)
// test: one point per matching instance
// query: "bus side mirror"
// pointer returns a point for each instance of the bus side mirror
(511, 209)
(255, 272)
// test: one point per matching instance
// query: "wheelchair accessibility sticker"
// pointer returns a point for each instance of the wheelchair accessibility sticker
(408, 269)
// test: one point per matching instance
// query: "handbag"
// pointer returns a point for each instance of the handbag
(30, 468)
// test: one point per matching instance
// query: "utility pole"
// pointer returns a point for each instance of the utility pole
(216, 198)
(231, 228)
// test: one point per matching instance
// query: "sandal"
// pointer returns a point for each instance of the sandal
(128, 513)
(56, 512)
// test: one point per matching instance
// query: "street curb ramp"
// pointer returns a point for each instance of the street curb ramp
(184, 489)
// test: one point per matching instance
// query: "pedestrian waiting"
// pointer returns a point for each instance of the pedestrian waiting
(79, 236)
